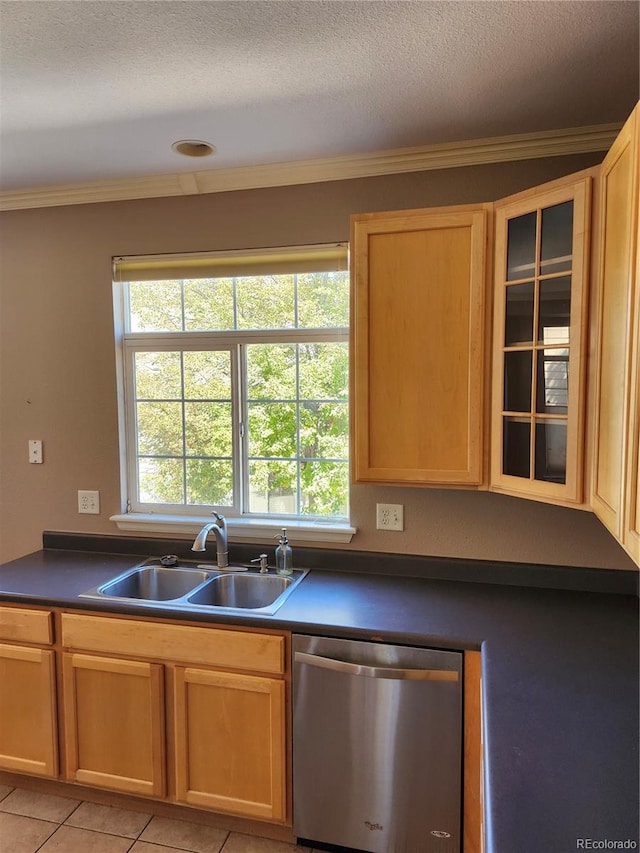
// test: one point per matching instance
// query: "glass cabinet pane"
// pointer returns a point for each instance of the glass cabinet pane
(516, 448)
(557, 238)
(554, 311)
(517, 381)
(551, 451)
(552, 390)
(518, 323)
(521, 246)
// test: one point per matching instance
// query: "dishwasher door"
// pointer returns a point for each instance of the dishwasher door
(377, 746)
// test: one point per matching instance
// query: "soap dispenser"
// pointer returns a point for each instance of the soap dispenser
(284, 555)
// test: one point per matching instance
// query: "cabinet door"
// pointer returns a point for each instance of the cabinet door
(230, 742)
(417, 333)
(615, 287)
(631, 527)
(542, 248)
(114, 723)
(631, 532)
(28, 728)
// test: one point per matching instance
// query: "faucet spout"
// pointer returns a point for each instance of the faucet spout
(219, 528)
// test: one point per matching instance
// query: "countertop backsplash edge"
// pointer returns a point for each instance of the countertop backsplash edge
(569, 578)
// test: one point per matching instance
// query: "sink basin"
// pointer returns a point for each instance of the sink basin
(246, 591)
(191, 586)
(155, 583)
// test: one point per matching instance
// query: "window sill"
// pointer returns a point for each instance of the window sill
(240, 529)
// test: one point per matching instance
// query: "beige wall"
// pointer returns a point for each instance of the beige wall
(57, 373)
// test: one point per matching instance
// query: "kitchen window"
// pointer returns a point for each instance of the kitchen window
(234, 389)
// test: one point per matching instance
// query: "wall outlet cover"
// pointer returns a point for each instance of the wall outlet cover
(89, 502)
(390, 517)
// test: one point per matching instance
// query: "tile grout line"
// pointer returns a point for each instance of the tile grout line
(132, 841)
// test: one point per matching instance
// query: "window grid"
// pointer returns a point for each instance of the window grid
(206, 341)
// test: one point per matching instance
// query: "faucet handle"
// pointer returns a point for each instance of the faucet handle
(219, 517)
(262, 559)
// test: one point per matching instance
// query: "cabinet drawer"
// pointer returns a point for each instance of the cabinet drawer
(26, 626)
(211, 646)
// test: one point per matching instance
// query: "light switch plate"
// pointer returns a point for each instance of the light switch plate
(35, 451)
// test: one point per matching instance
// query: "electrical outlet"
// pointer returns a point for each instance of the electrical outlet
(89, 502)
(390, 516)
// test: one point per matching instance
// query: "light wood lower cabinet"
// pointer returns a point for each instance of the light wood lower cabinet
(223, 746)
(114, 723)
(28, 729)
(28, 719)
(230, 742)
(473, 767)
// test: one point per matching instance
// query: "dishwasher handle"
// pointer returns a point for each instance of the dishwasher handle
(349, 668)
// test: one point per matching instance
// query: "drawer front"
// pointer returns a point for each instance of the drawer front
(210, 646)
(26, 626)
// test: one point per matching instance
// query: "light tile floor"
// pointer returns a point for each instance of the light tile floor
(31, 822)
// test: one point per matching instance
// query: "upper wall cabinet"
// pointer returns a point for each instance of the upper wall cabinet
(614, 493)
(539, 338)
(631, 519)
(418, 346)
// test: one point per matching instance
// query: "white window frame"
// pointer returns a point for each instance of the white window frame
(135, 517)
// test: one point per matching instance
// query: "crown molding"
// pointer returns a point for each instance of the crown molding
(525, 146)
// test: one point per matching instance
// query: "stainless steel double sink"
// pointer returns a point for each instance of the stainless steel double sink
(191, 586)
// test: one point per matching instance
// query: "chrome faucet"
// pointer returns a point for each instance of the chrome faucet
(219, 527)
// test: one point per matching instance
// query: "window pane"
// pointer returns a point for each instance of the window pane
(160, 481)
(160, 429)
(272, 429)
(271, 372)
(521, 246)
(157, 376)
(323, 299)
(208, 429)
(155, 306)
(265, 302)
(207, 375)
(324, 430)
(210, 482)
(273, 487)
(208, 304)
(324, 371)
(518, 322)
(551, 451)
(517, 381)
(325, 488)
(516, 442)
(557, 238)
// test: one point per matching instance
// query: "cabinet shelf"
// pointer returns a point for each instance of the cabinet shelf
(538, 416)
(561, 259)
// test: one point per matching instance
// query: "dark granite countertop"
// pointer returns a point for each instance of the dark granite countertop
(560, 679)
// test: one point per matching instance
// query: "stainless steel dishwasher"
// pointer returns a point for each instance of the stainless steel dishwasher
(377, 746)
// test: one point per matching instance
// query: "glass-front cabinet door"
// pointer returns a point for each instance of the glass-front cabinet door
(539, 339)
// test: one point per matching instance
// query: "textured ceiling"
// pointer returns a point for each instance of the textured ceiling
(96, 90)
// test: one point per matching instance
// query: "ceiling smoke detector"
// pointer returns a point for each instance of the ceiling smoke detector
(193, 148)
